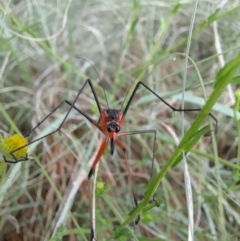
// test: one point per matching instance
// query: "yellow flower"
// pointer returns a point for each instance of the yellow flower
(9, 144)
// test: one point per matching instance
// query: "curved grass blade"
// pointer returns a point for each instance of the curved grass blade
(190, 143)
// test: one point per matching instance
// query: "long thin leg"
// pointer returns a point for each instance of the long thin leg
(92, 231)
(174, 109)
(118, 142)
(61, 124)
(98, 156)
(72, 106)
(15, 161)
(152, 131)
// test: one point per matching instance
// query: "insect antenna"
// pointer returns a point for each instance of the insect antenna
(142, 70)
(104, 91)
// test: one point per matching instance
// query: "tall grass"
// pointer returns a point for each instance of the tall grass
(42, 46)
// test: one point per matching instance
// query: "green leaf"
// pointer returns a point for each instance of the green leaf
(101, 188)
(236, 80)
(227, 72)
(210, 19)
(3, 172)
(149, 239)
(124, 232)
(176, 7)
(133, 25)
(155, 203)
(191, 142)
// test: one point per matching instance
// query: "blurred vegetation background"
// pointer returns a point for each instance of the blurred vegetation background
(42, 50)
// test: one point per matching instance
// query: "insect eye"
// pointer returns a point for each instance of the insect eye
(109, 129)
(117, 128)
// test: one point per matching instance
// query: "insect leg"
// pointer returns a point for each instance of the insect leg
(174, 109)
(15, 160)
(72, 106)
(92, 195)
(152, 131)
(92, 231)
(129, 176)
(98, 156)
